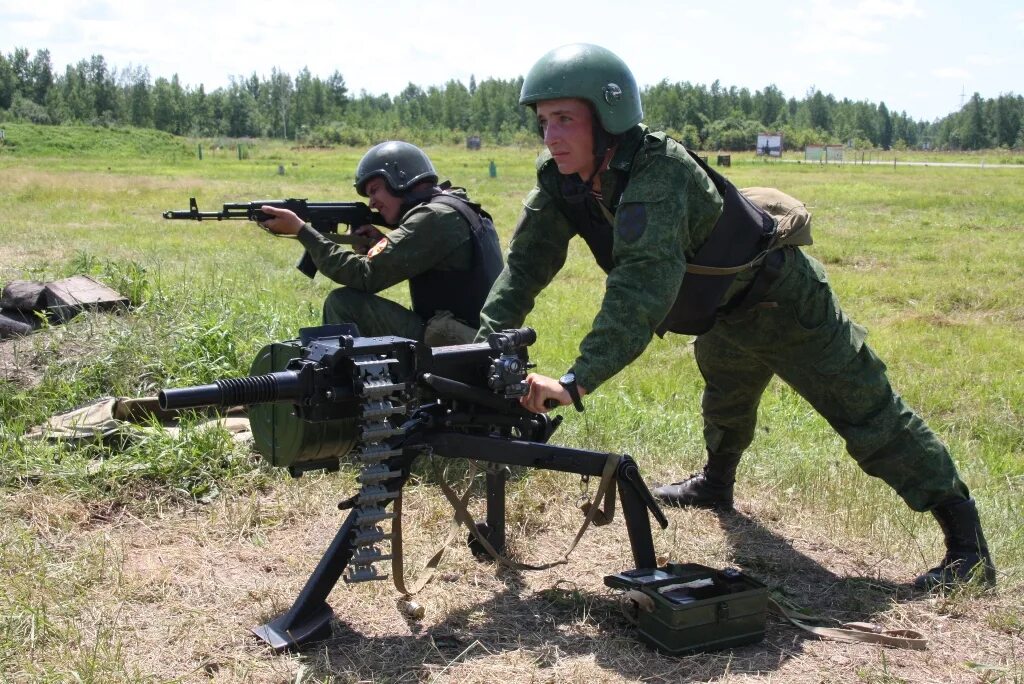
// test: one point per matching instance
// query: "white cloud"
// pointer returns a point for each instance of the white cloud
(826, 26)
(886, 8)
(957, 73)
(984, 60)
(96, 11)
(862, 49)
(835, 67)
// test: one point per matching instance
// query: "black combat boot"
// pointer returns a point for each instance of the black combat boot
(966, 551)
(710, 488)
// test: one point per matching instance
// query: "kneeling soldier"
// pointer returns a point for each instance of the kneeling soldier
(443, 244)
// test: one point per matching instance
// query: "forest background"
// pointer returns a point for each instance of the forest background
(317, 111)
(148, 561)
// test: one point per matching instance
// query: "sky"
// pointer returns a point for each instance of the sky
(921, 57)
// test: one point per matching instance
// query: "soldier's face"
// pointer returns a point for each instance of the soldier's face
(568, 130)
(381, 200)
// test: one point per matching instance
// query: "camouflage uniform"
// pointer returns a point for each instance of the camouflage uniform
(667, 208)
(429, 236)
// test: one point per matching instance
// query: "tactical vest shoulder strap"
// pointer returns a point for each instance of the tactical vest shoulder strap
(737, 211)
(471, 211)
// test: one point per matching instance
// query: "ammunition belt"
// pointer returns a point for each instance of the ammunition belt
(379, 406)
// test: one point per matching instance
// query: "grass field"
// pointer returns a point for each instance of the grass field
(149, 563)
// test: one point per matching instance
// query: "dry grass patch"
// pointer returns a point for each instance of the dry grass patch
(20, 362)
(179, 590)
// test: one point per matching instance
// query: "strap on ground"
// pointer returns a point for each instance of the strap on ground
(853, 632)
(594, 513)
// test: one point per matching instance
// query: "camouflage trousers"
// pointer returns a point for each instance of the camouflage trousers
(376, 316)
(799, 333)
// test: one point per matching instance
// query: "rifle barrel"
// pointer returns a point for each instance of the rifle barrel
(204, 215)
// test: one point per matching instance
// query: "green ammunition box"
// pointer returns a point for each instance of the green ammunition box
(685, 607)
(286, 441)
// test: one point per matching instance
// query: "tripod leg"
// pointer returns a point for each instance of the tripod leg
(497, 476)
(309, 618)
(634, 510)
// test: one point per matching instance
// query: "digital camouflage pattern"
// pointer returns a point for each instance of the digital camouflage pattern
(798, 332)
(805, 338)
(679, 209)
(429, 236)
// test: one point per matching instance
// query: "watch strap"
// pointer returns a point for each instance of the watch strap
(568, 381)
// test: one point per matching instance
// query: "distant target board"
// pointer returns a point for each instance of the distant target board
(769, 144)
(823, 153)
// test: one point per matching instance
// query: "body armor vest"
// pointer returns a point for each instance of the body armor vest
(461, 292)
(738, 240)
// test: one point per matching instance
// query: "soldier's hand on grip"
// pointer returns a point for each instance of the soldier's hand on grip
(372, 235)
(544, 394)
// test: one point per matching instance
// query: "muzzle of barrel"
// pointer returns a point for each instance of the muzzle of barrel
(257, 389)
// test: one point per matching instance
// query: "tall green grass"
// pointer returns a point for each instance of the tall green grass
(24, 140)
(927, 258)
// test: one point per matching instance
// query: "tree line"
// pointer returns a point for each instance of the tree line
(321, 111)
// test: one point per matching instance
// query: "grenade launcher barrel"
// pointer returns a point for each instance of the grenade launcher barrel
(256, 389)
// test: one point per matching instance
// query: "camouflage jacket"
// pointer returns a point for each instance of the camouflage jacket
(664, 205)
(429, 236)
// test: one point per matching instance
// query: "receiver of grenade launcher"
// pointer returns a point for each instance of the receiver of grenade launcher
(306, 397)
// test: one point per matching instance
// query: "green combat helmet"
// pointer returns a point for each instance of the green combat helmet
(591, 73)
(402, 165)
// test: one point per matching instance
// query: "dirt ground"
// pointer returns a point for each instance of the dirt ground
(180, 589)
(20, 363)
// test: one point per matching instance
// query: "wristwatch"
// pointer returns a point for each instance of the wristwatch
(568, 381)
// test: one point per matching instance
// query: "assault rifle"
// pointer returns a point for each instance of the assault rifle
(323, 216)
(387, 401)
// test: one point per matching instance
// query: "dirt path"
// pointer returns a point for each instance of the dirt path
(173, 594)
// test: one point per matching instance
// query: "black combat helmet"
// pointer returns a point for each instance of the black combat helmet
(591, 73)
(402, 165)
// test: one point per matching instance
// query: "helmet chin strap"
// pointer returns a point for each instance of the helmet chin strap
(603, 142)
(575, 190)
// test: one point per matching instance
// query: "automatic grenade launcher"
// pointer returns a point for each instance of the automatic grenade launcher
(385, 401)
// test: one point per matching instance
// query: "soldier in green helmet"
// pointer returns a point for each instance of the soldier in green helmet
(443, 244)
(685, 252)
